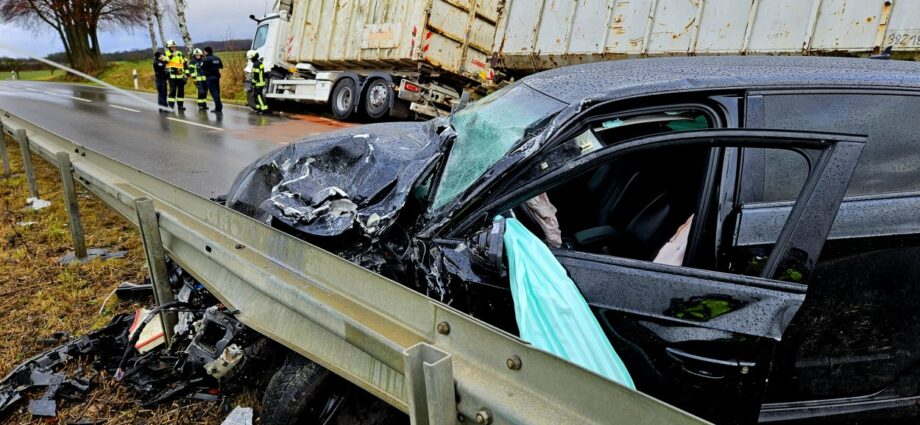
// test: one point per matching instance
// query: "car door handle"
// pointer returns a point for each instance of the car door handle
(708, 367)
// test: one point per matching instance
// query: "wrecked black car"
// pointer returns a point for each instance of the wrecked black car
(743, 229)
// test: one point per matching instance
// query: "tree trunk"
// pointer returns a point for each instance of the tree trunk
(83, 56)
(153, 36)
(183, 26)
(158, 14)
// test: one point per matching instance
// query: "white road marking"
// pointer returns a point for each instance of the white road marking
(122, 107)
(58, 94)
(194, 123)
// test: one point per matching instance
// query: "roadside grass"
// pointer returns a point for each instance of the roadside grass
(38, 75)
(120, 74)
(39, 297)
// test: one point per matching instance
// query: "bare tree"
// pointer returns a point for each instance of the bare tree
(77, 23)
(148, 14)
(158, 14)
(183, 25)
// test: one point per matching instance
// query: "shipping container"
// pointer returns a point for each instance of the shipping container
(452, 36)
(542, 34)
(399, 57)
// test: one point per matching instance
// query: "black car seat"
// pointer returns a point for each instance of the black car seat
(630, 194)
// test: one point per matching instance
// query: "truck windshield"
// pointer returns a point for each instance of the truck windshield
(261, 36)
(486, 131)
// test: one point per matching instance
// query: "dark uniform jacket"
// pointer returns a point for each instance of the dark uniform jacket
(159, 69)
(211, 66)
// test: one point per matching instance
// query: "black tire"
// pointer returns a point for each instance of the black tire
(343, 99)
(301, 392)
(377, 96)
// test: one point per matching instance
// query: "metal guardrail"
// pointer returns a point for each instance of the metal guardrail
(423, 357)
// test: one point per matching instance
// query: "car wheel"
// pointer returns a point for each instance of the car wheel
(377, 99)
(343, 99)
(301, 392)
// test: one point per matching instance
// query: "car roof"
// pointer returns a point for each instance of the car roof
(632, 77)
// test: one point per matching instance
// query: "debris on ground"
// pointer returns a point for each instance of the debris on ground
(239, 416)
(43, 303)
(211, 356)
(36, 204)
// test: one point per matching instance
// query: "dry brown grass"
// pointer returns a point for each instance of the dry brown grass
(39, 297)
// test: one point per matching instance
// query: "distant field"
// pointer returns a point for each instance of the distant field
(42, 75)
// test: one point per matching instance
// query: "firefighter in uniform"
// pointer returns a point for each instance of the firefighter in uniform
(178, 72)
(196, 73)
(160, 77)
(258, 83)
(210, 67)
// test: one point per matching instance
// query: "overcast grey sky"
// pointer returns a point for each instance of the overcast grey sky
(207, 20)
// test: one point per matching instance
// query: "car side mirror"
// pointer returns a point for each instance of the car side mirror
(488, 248)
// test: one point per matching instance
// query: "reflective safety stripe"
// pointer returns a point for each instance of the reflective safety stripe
(170, 99)
(201, 101)
(261, 106)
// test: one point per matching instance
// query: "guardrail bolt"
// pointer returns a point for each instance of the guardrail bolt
(513, 362)
(484, 417)
(461, 418)
(443, 328)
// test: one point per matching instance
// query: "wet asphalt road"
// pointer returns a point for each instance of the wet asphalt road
(199, 152)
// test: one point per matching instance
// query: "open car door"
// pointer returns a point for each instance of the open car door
(700, 337)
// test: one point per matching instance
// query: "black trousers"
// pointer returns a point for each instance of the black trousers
(176, 92)
(161, 92)
(202, 89)
(214, 88)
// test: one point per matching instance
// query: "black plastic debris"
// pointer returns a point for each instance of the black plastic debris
(212, 355)
(44, 370)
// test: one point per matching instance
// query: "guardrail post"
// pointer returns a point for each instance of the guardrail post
(156, 262)
(4, 155)
(430, 380)
(27, 162)
(73, 210)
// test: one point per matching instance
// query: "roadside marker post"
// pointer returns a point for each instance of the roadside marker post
(73, 210)
(156, 262)
(134, 74)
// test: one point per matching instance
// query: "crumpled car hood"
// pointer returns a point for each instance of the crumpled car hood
(328, 184)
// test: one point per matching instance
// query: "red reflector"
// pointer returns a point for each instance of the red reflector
(412, 87)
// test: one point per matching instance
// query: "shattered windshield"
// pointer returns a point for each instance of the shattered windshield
(486, 131)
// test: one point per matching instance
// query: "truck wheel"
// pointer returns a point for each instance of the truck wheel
(377, 99)
(343, 99)
(301, 392)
